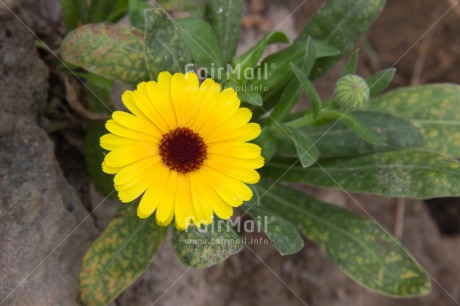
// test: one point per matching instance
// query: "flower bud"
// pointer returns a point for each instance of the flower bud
(351, 93)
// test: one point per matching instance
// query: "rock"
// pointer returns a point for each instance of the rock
(44, 229)
(8, 7)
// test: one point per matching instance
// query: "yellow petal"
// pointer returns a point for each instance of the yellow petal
(184, 212)
(246, 133)
(232, 191)
(254, 163)
(129, 195)
(143, 178)
(164, 84)
(203, 211)
(146, 102)
(125, 156)
(162, 104)
(132, 171)
(131, 191)
(113, 142)
(238, 172)
(110, 170)
(204, 195)
(237, 121)
(227, 104)
(206, 99)
(235, 149)
(165, 210)
(183, 93)
(136, 123)
(123, 131)
(146, 206)
(152, 196)
(128, 101)
(141, 106)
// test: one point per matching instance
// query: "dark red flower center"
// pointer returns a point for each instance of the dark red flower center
(183, 150)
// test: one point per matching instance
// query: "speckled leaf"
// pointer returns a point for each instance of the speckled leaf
(164, 48)
(359, 246)
(201, 42)
(405, 173)
(336, 140)
(225, 18)
(282, 233)
(206, 246)
(340, 23)
(112, 51)
(354, 124)
(117, 258)
(433, 109)
(99, 96)
(305, 147)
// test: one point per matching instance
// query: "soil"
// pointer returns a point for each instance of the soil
(55, 201)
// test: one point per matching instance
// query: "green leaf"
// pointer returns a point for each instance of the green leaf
(289, 98)
(433, 109)
(340, 23)
(405, 173)
(306, 150)
(350, 67)
(356, 125)
(111, 51)
(99, 96)
(267, 142)
(335, 140)
(291, 93)
(283, 234)
(379, 81)
(309, 89)
(201, 42)
(251, 97)
(323, 49)
(252, 55)
(194, 7)
(119, 10)
(206, 246)
(75, 13)
(275, 70)
(118, 257)
(107, 10)
(164, 46)
(136, 12)
(225, 18)
(360, 247)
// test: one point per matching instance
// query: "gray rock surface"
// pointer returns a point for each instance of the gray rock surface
(44, 229)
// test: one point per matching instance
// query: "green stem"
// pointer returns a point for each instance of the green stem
(305, 120)
(308, 119)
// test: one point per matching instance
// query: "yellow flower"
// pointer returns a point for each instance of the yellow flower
(183, 147)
